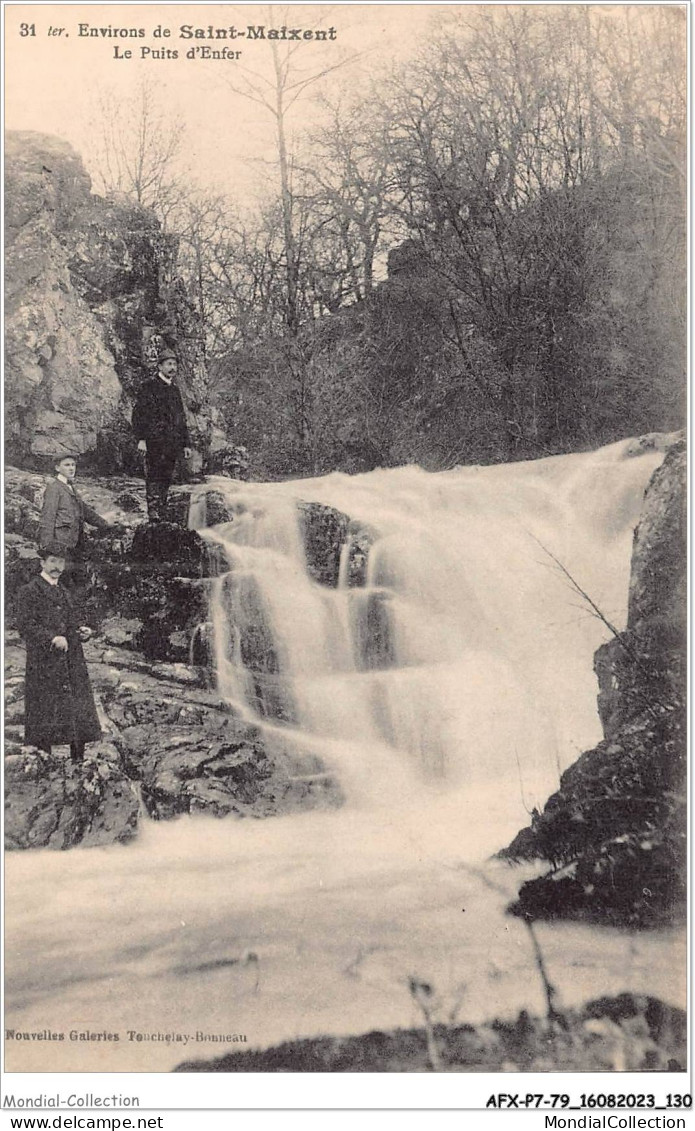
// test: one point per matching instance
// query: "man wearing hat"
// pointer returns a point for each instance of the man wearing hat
(59, 705)
(64, 514)
(159, 423)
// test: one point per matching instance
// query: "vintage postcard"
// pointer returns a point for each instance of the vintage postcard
(345, 590)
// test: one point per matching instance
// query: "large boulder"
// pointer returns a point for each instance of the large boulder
(328, 533)
(230, 460)
(324, 531)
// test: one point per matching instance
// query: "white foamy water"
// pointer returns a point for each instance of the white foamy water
(447, 695)
(488, 673)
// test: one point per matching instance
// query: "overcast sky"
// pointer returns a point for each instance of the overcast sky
(53, 82)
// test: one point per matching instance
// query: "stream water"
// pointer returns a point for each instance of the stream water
(446, 694)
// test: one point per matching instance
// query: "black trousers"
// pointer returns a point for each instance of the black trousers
(76, 750)
(160, 464)
(75, 576)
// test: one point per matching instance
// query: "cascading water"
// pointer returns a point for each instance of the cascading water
(465, 658)
(445, 680)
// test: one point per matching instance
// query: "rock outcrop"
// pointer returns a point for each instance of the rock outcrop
(53, 802)
(616, 829)
(171, 745)
(324, 531)
(191, 754)
(91, 293)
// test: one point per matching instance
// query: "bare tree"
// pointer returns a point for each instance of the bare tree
(278, 94)
(350, 189)
(140, 150)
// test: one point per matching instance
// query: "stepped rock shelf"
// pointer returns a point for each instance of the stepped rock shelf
(347, 659)
(178, 610)
(172, 746)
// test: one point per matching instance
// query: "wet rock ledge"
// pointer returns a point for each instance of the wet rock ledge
(171, 746)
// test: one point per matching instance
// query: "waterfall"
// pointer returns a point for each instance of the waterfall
(445, 678)
(461, 656)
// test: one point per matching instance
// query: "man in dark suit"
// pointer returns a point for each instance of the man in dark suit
(159, 423)
(59, 705)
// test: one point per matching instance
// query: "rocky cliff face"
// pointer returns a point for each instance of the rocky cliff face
(91, 295)
(616, 829)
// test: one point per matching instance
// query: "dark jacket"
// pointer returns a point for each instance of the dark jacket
(59, 705)
(63, 516)
(159, 417)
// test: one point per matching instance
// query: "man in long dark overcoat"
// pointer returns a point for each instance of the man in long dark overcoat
(159, 424)
(59, 705)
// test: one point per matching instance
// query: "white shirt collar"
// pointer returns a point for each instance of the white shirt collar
(64, 480)
(166, 380)
(50, 580)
